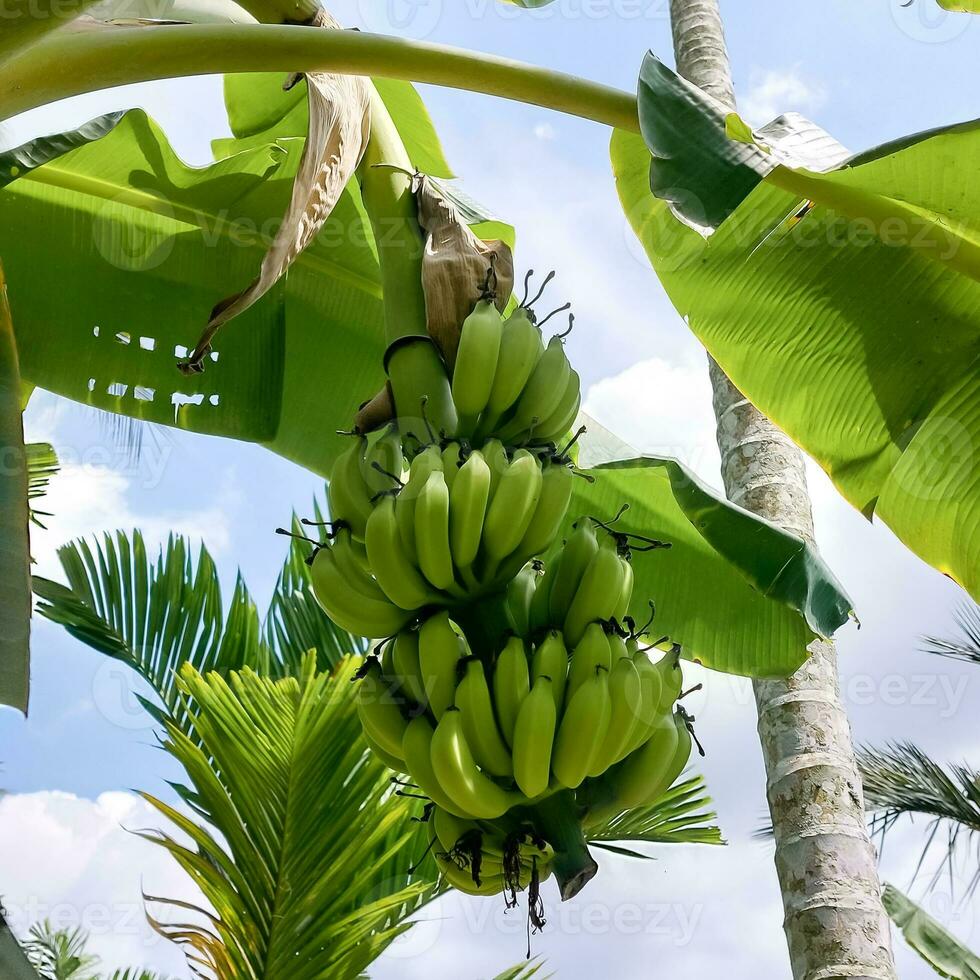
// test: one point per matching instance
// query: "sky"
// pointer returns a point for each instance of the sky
(867, 72)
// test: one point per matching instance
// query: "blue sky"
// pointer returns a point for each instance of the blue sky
(867, 72)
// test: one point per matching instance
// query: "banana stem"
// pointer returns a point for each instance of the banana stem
(556, 818)
(70, 64)
(386, 188)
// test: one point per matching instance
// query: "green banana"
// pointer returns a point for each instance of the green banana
(396, 573)
(417, 753)
(495, 454)
(541, 394)
(372, 616)
(432, 532)
(428, 460)
(682, 755)
(441, 647)
(626, 593)
(640, 776)
(581, 731)
(348, 495)
(519, 596)
(468, 500)
(626, 703)
(557, 424)
(451, 462)
(551, 658)
(570, 565)
(479, 725)
(459, 776)
(406, 667)
(510, 685)
(598, 592)
(512, 506)
(393, 762)
(549, 515)
(617, 647)
(534, 735)
(668, 667)
(521, 348)
(476, 363)
(347, 554)
(540, 615)
(383, 453)
(590, 653)
(378, 709)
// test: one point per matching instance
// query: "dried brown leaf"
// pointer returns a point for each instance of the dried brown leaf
(376, 412)
(339, 129)
(455, 267)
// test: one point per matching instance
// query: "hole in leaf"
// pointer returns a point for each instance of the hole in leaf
(180, 351)
(117, 388)
(148, 343)
(142, 394)
(91, 384)
(95, 331)
(123, 337)
(179, 398)
(214, 355)
(214, 399)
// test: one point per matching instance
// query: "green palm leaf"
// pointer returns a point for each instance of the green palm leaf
(42, 464)
(153, 615)
(901, 780)
(678, 817)
(135, 974)
(158, 614)
(300, 876)
(939, 948)
(523, 971)
(59, 954)
(967, 645)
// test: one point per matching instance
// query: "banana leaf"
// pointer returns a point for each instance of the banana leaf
(938, 947)
(15, 546)
(964, 6)
(838, 312)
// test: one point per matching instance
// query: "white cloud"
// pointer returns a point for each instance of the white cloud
(78, 863)
(662, 409)
(774, 92)
(545, 131)
(85, 499)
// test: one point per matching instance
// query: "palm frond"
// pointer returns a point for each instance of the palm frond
(295, 622)
(298, 829)
(901, 780)
(42, 464)
(680, 816)
(967, 645)
(135, 974)
(938, 947)
(59, 954)
(153, 615)
(523, 971)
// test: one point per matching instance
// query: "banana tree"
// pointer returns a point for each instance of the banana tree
(63, 65)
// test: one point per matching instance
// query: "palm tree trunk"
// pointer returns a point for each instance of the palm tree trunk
(834, 920)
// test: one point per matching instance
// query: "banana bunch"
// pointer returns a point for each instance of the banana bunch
(507, 384)
(461, 524)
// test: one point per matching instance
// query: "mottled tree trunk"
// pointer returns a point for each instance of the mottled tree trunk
(834, 920)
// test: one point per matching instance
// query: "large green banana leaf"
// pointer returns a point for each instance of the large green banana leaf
(965, 6)
(15, 546)
(845, 322)
(728, 578)
(935, 944)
